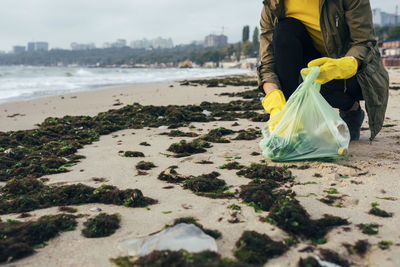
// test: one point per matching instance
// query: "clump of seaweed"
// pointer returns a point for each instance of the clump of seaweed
(334, 257)
(379, 212)
(259, 193)
(133, 154)
(284, 210)
(184, 149)
(216, 135)
(333, 201)
(384, 245)
(170, 175)
(144, 144)
(360, 247)
(15, 198)
(239, 80)
(205, 183)
(67, 209)
(289, 215)
(18, 239)
(178, 258)
(102, 225)
(255, 248)
(178, 133)
(263, 171)
(309, 262)
(369, 228)
(204, 162)
(249, 134)
(191, 220)
(232, 166)
(145, 165)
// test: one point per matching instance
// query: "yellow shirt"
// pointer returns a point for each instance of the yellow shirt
(307, 11)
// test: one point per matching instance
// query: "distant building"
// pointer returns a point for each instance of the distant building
(118, 44)
(381, 18)
(139, 44)
(31, 47)
(41, 46)
(37, 46)
(214, 40)
(2, 52)
(76, 46)
(159, 42)
(197, 43)
(163, 43)
(18, 49)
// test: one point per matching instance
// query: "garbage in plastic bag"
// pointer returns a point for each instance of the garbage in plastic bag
(307, 127)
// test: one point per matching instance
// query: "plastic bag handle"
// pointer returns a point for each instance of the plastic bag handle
(311, 76)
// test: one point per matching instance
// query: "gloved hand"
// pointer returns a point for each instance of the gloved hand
(330, 69)
(273, 102)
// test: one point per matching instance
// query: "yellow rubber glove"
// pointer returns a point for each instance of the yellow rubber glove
(331, 69)
(273, 102)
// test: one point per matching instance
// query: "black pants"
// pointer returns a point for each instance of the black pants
(293, 49)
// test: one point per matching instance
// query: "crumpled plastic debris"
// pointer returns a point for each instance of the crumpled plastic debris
(181, 236)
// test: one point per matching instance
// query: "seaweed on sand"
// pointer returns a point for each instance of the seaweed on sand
(184, 149)
(133, 154)
(239, 80)
(360, 247)
(178, 258)
(379, 212)
(232, 166)
(289, 215)
(334, 257)
(263, 171)
(249, 134)
(369, 228)
(216, 135)
(102, 225)
(23, 195)
(255, 248)
(191, 220)
(260, 193)
(309, 262)
(45, 150)
(170, 175)
(145, 165)
(18, 239)
(284, 210)
(207, 185)
(178, 133)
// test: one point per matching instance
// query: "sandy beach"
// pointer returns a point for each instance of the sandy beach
(369, 174)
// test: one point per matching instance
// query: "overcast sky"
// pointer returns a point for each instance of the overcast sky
(61, 22)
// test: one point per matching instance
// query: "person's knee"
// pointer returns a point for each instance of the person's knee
(286, 30)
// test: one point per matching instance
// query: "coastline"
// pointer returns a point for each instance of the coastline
(367, 175)
(90, 103)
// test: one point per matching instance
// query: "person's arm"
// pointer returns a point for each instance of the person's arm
(267, 78)
(358, 16)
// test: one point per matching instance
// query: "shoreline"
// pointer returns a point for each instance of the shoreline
(22, 115)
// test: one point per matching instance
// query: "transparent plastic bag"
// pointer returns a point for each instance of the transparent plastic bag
(307, 127)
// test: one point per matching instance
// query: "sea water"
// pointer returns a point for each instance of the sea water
(26, 82)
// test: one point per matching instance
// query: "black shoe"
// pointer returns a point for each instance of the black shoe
(354, 120)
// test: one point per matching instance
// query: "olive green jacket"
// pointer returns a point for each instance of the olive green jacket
(347, 30)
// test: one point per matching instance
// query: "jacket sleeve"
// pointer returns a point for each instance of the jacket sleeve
(266, 68)
(358, 15)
